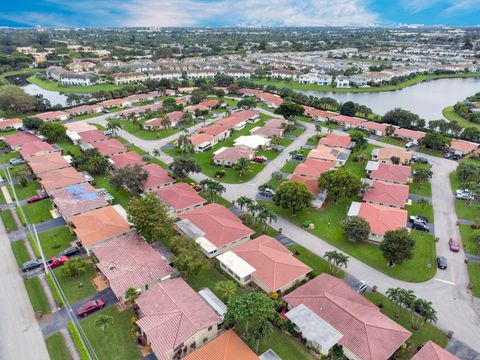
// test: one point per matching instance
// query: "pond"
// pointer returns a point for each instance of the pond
(54, 97)
(426, 99)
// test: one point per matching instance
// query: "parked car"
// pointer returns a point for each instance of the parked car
(259, 159)
(454, 245)
(56, 261)
(409, 144)
(419, 159)
(418, 219)
(32, 265)
(267, 192)
(452, 156)
(36, 198)
(464, 195)
(441, 262)
(90, 307)
(16, 161)
(420, 226)
(108, 132)
(299, 157)
(71, 251)
(360, 287)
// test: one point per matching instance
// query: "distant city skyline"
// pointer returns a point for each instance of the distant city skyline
(108, 13)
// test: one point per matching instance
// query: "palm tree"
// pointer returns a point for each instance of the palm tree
(244, 201)
(104, 322)
(318, 128)
(332, 258)
(253, 208)
(260, 332)
(341, 261)
(165, 122)
(265, 215)
(156, 152)
(243, 165)
(428, 313)
(407, 298)
(213, 188)
(421, 176)
(394, 295)
(131, 294)
(114, 125)
(184, 145)
(227, 289)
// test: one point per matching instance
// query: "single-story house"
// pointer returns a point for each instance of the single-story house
(128, 158)
(230, 156)
(313, 168)
(244, 92)
(127, 261)
(431, 351)
(180, 197)
(247, 115)
(156, 123)
(53, 116)
(215, 228)
(267, 132)
(414, 136)
(319, 115)
(7, 124)
(175, 320)
(347, 122)
(462, 147)
(99, 225)
(385, 155)
(48, 162)
(271, 100)
(77, 199)
(387, 193)
(115, 103)
(110, 147)
(202, 141)
(373, 127)
(232, 122)
(60, 178)
(337, 154)
(367, 333)
(253, 142)
(380, 218)
(16, 141)
(219, 132)
(85, 109)
(272, 267)
(398, 174)
(79, 126)
(157, 177)
(335, 140)
(38, 148)
(92, 136)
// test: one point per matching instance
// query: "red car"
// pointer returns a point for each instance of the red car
(35, 198)
(90, 307)
(57, 261)
(454, 245)
(258, 159)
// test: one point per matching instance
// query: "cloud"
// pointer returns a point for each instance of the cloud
(446, 7)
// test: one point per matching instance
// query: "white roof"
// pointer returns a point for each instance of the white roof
(354, 209)
(235, 263)
(72, 135)
(314, 328)
(206, 245)
(215, 303)
(220, 150)
(122, 212)
(372, 165)
(251, 141)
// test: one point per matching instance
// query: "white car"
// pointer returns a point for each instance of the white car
(409, 144)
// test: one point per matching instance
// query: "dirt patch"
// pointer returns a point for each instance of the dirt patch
(100, 282)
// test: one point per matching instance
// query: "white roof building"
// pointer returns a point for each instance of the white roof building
(253, 142)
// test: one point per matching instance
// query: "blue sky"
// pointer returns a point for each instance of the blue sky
(103, 13)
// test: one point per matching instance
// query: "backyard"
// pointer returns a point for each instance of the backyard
(426, 188)
(358, 167)
(78, 288)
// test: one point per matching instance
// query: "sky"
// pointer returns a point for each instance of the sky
(119, 13)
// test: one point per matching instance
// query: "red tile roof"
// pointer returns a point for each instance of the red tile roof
(387, 153)
(221, 226)
(180, 196)
(276, 123)
(36, 147)
(173, 313)
(387, 193)
(372, 125)
(47, 162)
(77, 199)
(245, 114)
(110, 147)
(233, 154)
(91, 136)
(390, 172)
(275, 266)
(383, 218)
(309, 182)
(57, 179)
(317, 112)
(313, 167)
(431, 351)
(411, 134)
(249, 92)
(353, 121)
(128, 261)
(51, 115)
(268, 132)
(210, 103)
(230, 121)
(463, 146)
(175, 116)
(214, 129)
(367, 333)
(20, 139)
(270, 98)
(199, 139)
(129, 158)
(335, 140)
(156, 176)
(10, 122)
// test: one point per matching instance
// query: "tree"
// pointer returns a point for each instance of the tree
(294, 196)
(356, 228)
(467, 172)
(92, 162)
(187, 256)
(247, 103)
(103, 322)
(165, 122)
(227, 289)
(183, 145)
(264, 216)
(259, 332)
(394, 295)
(132, 178)
(336, 260)
(74, 267)
(14, 100)
(182, 167)
(469, 134)
(198, 96)
(53, 131)
(360, 140)
(113, 125)
(397, 246)
(131, 294)
(395, 160)
(339, 184)
(249, 308)
(32, 123)
(421, 176)
(476, 238)
(426, 311)
(289, 109)
(242, 165)
(436, 141)
(348, 108)
(403, 118)
(213, 189)
(150, 218)
(243, 202)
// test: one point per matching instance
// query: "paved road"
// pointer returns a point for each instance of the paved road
(448, 290)
(20, 335)
(42, 227)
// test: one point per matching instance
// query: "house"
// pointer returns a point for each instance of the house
(110, 147)
(462, 147)
(129, 158)
(347, 122)
(38, 148)
(247, 115)
(165, 74)
(407, 135)
(77, 199)
(115, 103)
(174, 319)
(318, 115)
(232, 122)
(253, 142)
(380, 218)
(244, 92)
(385, 155)
(202, 141)
(180, 197)
(398, 174)
(128, 78)
(99, 225)
(239, 73)
(337, 154)
(11, 124)
(271, 266)
(157, 177)
(16, 141)
(271, 100)
(79, 127)
(228, 346)
(53, 116)
(387, 193)
(230, 156)
(175, 118)
(285, 74)
(431, 351)
(71, 78)
(85, 109)
(59, 178)
(342, 81)
(200, 74)
(335, 140)
(219, 132)
(373, 127)
(313, 168)
(214, 228)
(367, 333)
(47, 162)
(359, 80)
(92, 136)
(127, 261)
(267, 132)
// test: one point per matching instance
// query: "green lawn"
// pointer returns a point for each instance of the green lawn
(76, 289)
(469, 245)
(37, 212)
(207, 278)
(328, 227)
(463, 210)
(4, 158)
(69, 148)
(474, 275)
(117, 342)
(318, 264)
(358, 168)
(425, 189)
(17, 72)
(20, 252)
(54, 86)
(27, 191)
(37, 296)
(53, 241)
(418, 209)
(451, 115)
(121, 195)
(139, 132)
(419, 337)
(289, 167)
(286, 346)
(392, 141)
(313, 141)
(8, 220)
(57, 349)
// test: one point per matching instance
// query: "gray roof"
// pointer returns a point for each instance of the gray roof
(269, 355)
(215, 303)
(189, 229)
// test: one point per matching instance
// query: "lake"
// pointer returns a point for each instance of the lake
(54, 97)
(426, 99)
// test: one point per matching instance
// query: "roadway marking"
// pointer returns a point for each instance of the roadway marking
(445, 281)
